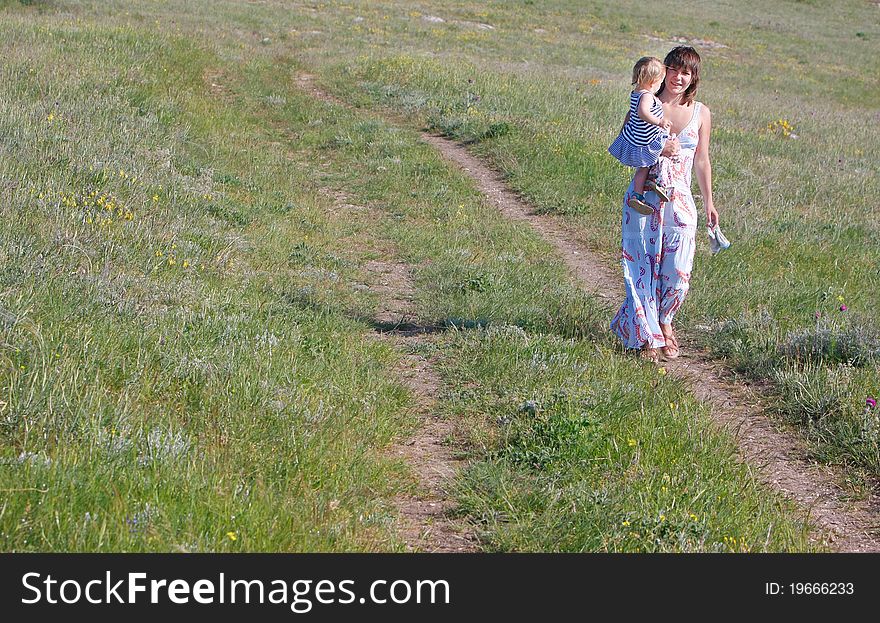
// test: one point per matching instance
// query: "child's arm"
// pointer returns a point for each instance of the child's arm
(645, 112)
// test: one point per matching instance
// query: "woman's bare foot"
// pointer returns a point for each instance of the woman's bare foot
(671, 350)
(650, 354)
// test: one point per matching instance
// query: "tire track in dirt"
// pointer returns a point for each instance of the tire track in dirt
(425, 523)
(778, 458)
(425, 519)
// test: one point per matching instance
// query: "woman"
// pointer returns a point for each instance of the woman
(658, 250)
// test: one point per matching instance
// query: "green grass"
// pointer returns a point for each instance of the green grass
(184, 368)
(588, 451)
(199, 376)
(796, 204)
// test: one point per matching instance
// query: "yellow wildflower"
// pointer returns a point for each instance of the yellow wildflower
(232, 536)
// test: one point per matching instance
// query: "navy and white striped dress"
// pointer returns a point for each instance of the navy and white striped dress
(639, 143)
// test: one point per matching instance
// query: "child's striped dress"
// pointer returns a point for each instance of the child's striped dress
(639, 143)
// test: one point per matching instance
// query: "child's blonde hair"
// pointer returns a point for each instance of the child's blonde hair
(647, 69)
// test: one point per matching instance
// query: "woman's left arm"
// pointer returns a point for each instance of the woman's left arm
(703, 166)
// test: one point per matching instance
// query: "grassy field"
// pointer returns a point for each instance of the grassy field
(539, 95)
(185, 342)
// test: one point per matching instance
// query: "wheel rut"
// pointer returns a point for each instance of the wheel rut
(426, 524)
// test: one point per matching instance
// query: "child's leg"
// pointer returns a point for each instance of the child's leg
(637, 200)
(641, 176)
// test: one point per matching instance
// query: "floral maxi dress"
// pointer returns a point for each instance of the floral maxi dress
(658, 249)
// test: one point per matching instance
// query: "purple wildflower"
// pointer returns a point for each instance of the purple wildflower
(870, 402)
(843, 308)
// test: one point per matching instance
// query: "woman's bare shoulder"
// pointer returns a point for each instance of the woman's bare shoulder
(705, 120)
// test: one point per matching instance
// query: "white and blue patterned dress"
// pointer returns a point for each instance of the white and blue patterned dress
(657, 251)
(639, 143)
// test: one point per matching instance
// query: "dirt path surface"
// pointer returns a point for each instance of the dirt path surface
(425, 523)
(779, 458)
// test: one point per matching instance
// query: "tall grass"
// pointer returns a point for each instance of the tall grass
(585, 451)
(189, 369)
(183, 368)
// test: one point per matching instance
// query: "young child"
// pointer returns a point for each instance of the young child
(645, 132)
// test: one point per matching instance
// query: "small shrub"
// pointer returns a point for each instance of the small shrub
(813, 393)
(748, 342)
(856, 344)
(562, 430)
(538, 441)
